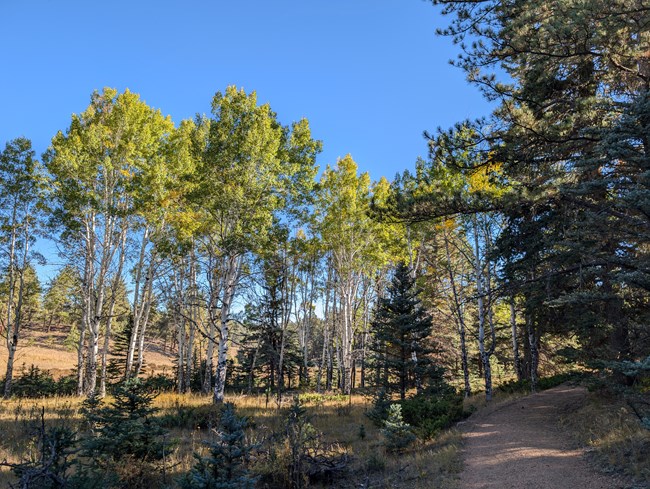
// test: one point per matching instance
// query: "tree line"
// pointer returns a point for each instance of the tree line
(525, 233)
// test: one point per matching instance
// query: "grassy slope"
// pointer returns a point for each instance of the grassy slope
(48, 351)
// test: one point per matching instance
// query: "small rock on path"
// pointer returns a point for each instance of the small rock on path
(520, 445)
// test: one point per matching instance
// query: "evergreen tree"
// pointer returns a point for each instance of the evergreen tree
(301, 437)
(401, 329)
(60, 302)
(399, 435)
(126, 445)
(225, 467)
(570, 140)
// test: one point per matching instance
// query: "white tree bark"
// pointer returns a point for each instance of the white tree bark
(232, 274)
(460, 319)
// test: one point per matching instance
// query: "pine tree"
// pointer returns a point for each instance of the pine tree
(126, 445)
(398, 434)
(301, 437)
(570, 138)
(225, 467)
(401, 329)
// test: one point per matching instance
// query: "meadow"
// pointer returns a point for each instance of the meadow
(342, 430)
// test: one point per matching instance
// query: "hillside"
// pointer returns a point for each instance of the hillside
(48, 351)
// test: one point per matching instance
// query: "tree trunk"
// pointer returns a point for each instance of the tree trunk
(137, 310)
(484, 354)
(532, 345)
(104, 357)
(143, 298)
(460, 321)
(13, 328)
(231, 280)
(81, 361)
(181, 359)
(515, 343)
(94, 291)
(216, 289)
(111, 311)
(326, 339)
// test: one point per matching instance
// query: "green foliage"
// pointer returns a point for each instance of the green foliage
(189, 417)
(376, 462)
(35, 382)
(125, 445)
(362, 432)
(635, 389)
(260, 167)
(543, 383)
(226, 465)
(401, 330)
(301, 437)
(397, 433)
(268, 337)
(431, 414)
(61, 300)
(31, 294)
(159, 383)
(380, 409)
(316, 398)
(436, 407)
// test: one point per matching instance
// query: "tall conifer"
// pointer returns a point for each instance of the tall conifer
(401, 327)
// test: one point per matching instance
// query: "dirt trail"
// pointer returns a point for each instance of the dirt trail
(520, 445)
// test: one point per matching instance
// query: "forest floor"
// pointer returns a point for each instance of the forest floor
(520, 444)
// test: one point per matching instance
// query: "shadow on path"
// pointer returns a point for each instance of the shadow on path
(519, 445)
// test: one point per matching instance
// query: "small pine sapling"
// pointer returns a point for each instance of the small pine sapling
(125, 444)
(226, 465)
(380, 407)
(362, 432)
(398, 434)
(50, 469)
(301, 435)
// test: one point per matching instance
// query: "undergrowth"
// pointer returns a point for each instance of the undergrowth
(613, 434)
(343, 441)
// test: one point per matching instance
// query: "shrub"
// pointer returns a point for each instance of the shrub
(125, 446)
(226, 466)
(301, 435)
(49, 467)
(316, 398)
(399, 435)
(362, 432)
(431, 414)
(66, 386)
(376, 462)
(33, 382)
(190, 417)
(297, 456)
(159, 383)
(378, 414)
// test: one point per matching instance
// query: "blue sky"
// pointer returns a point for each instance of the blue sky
(370, 75)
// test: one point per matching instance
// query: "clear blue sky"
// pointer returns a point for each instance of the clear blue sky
(370, 75)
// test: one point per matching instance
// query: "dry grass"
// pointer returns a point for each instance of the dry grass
(615, 439)
(19, 418)
(45, 350)
(48, 352)
(432, 464)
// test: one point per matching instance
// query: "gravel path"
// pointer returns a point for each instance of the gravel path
(519, 445)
